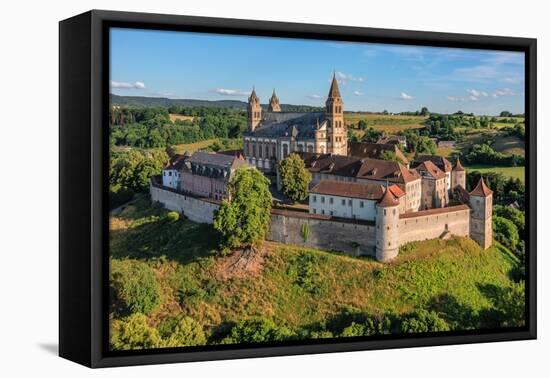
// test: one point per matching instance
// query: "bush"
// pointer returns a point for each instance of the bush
(423, 321)
(506, 232)
(257, 330)
(182, 331)
(134, 333)
(172, 216)
(134, 287)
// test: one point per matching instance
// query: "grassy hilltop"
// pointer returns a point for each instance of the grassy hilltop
(301, 293)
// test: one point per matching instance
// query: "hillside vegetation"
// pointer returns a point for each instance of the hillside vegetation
(289, 292)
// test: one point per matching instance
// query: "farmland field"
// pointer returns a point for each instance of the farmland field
(385, 122)
(181, 117)
(509, 145)
(515, 172)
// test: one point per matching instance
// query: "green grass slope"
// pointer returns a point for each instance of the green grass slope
(300, 288)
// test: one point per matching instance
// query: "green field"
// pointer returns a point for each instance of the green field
(388, 123)
(515, 172)
(299, 288)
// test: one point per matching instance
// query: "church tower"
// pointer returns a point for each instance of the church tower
(274, 105)
(481, 215)
(337, 136)
(254, 110)
(387, 223)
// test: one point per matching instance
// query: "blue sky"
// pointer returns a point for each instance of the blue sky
(372, 77)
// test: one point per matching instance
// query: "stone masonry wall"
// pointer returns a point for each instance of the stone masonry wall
(430, 224)
(349, 236)
(355, 238)
(197, 210)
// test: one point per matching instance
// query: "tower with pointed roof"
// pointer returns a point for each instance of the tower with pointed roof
(254, 111)
(387, 227)
(481, 215)
(274, 105)
(336, 130)
(458, 176)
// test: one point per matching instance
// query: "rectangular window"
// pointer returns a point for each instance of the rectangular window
(361, 204)
(314, 198)
(323, 212)
(314, 211)
(343, 202)
(331, 200)
(170, 173)
(349, 202)
(331, 213)
(322, 199)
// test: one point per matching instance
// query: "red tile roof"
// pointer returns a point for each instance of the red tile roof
(430, 169)
(388, 200)
(349, 189)
(458, 166)
(397, 191)
(481, 190)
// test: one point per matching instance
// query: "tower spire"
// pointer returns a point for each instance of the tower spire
(334, 90)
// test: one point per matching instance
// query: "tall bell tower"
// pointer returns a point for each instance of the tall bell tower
(337, 136)
(254, 110)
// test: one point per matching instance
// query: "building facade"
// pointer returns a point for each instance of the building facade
(203, 174)
(272, 135)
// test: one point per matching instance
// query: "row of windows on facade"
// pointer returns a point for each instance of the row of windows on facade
(337, 109)
(176, 174)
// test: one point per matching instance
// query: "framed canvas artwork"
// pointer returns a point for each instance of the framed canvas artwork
(235, 188)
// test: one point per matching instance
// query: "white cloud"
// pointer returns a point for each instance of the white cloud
(473, 98)
(406, 97)
(504, 92)
(315, 96)
(343, 78)
(231, 92)
(124, 85)
(476, 93)
(358, 93)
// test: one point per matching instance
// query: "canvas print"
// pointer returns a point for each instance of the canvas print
(266, 191)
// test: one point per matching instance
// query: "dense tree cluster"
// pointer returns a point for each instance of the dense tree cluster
(134, 287)
(485, 154)
(130, 171)
(152, 127)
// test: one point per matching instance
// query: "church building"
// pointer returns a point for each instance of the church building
(273, 134)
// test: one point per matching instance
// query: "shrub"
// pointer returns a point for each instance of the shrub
(134, 287)
(257, 330)
(305, 231)
(506, 232)
(423, 321)
(182, 331)
(134, 333)
(172, 216)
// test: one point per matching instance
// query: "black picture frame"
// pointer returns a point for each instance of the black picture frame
(83, 166)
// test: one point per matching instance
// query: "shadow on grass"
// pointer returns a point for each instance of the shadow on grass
(151, 235)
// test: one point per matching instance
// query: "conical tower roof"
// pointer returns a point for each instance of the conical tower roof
(388, 199)
(334, 90)
(458, 166)
(481, 190)
(253, 96)
(274, 97)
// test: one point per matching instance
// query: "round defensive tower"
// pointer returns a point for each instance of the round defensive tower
(387, 227)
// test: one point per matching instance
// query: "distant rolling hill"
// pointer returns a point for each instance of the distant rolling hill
(168, 102)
